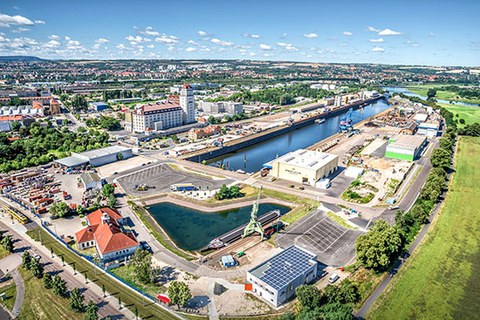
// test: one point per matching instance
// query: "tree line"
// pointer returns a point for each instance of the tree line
(41, 143)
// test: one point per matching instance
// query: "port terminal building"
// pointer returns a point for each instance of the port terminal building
(405, 147)
(276, 279)
(303, 166)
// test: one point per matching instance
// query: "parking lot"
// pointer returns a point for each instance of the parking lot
(159, 178)
(333, 244)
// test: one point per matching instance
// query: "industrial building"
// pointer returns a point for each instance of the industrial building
(405, 147)
(276, 279)
(429, 129)
(97, 157)
(171, 113)
(91, 180)
(303, 166)
(229, 107)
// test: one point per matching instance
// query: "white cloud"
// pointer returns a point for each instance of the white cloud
(53, 37)
(389, 32)
(310, 35)
(265, 46)
(431, 34)
(7, 21)
(102, 40)
(39, 21)
(347, 33)
(378, 49)
(379, 40)
(19, 30)
(121, 46)
(166, 39)
(268, 54)
(151, 46)
(52, 44)
(372, 29)
(202, 33)
(149, 31)
(191, 49)
(222, 43)
(253, 36)
(192, 42)
(287, 46)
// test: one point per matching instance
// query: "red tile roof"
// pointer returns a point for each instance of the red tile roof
(107, 234)
(11, 118)
(160, 106)
(95, 217)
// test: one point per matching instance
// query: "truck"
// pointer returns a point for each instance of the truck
(182, 187)
(66, 196)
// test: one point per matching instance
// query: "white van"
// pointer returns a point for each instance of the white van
(334, 277)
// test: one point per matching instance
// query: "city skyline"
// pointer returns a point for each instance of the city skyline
(427, 33)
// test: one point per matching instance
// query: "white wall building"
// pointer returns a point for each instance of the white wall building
(187, 103)
(158, 116)
(275, 279)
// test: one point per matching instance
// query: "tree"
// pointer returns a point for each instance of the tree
(107, 190)
(91, 311)
(142, 266)
(59, 209)
(348, 292)
(7, 243)
(37, 268)
(376, 248)
(77, 300)
(119, 156)
(26, 259)
(441, 158)
(80, 209)
(47, 281)
(431, 93)
(112, 200)
(287, 316)
(179, 293)
(59, 286)
(308, 296)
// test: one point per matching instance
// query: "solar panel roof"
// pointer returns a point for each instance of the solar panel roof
(282, 268)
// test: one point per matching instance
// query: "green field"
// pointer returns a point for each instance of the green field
(10, 290)
(469, 114)
(441, 280)
(40, 303)
(442, 95)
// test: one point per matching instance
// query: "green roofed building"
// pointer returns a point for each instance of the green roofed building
(405, 147)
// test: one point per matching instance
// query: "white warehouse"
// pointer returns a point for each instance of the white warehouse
(97, 157)
(275, 280)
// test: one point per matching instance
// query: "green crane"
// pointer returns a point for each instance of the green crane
(254, 225)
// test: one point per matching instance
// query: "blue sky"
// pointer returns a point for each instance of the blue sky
(397, 32)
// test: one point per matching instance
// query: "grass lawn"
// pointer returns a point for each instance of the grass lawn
(3, 252)
(127, 273)
(10, 291)
(40, 303)
(129, 297)
(442, 95)
(441, 280)
(469, 114)
(304, 207)
(339, 220)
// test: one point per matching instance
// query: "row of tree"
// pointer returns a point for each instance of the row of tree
(7, 242)
(279, 95)
(227, 118)
(59, 287)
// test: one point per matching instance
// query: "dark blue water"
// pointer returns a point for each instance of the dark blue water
(407, 92)
(192, 229)
(266, 151)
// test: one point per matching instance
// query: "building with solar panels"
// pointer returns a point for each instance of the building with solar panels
(275, 280)
(304, 166)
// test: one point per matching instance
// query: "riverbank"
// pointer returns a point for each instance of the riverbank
(422, 90)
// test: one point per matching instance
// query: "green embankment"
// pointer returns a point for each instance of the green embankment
(441, 280)
(129, 297)
(469, 114)
(441, 94)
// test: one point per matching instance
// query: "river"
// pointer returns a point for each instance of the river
(407, 92)
(251, 159)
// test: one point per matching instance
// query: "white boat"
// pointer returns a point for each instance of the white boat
(320, 120)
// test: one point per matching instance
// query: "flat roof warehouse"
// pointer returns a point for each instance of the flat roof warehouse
(95, 157)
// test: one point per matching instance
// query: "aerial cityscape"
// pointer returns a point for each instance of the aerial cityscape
(263, 160)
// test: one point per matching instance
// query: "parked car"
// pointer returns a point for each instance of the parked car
(334, 277)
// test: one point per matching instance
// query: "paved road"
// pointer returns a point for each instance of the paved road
(20, 288)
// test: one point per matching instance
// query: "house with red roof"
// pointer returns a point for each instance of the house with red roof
(105, 232)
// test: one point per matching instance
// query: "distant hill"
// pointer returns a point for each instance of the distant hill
(20, 58)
